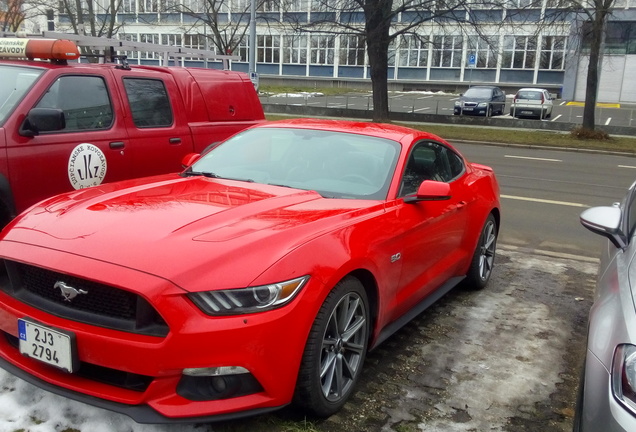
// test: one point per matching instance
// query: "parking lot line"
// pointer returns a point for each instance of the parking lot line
(533, 158)
(544, 201)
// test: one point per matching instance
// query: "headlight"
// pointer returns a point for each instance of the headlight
(482, 104)
(458, 103)
(247, 300)
(624, 376)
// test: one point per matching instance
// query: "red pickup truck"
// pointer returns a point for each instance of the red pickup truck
(67, 125)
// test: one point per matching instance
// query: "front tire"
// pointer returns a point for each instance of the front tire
(335, 350)
(484, 257)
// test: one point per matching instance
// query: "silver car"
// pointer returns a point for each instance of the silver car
(532, 102)
(607, 393)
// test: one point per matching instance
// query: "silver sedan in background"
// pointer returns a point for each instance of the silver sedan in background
(607, 393)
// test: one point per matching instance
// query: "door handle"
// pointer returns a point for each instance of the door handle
(175, 140)
(116, 145)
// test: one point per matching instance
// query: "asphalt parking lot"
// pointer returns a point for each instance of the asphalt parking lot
(503, 359)
(506, 358)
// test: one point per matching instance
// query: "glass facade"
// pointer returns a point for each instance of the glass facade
(434, 50)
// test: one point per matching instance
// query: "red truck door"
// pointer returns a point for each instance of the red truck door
(89, 150)
(157, 124)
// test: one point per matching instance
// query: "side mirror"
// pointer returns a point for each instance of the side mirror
(430, 190)
(42, 120)
(189, 159)
(605, 221)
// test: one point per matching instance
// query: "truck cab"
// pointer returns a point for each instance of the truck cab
(68, 125)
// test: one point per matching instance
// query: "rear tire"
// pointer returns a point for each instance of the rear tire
(335, 350)
(483, 260)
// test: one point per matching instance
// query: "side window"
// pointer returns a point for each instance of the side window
(84, 100)
(429, 161)
(149, 102)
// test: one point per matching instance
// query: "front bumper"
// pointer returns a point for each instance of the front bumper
(470, 110)
(269, 345)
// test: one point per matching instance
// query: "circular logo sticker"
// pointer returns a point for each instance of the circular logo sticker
(86, 166)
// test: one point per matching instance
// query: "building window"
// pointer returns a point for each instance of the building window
(171, 40)
(324, 5)
(485, 50)
(240, 6)
(130, 37)
(268, 49)
(148, 6)
(552, 53)
(243, 50)
(295, 5)
(268, 6)
(295, 49)
(519, 52)
(194, 41)
(151, 38)
(352, 50)
(521, 4)
(191, 6)
(129, 6)
(322, 50)
(413, 51)
(447, 51)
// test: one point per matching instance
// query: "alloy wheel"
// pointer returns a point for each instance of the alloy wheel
(343, 347)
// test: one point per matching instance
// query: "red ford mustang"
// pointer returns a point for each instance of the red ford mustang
(258, 277)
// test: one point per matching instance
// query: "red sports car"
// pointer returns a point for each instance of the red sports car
(258, 277)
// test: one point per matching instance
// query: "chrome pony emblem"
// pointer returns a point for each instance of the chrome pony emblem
(68, 292)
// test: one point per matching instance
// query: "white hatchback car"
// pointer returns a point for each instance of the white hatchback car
(532, 102)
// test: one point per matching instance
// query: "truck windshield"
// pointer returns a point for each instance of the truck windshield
(16, 81)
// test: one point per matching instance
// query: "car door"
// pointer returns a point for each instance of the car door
(156, 124)
(89, 150)
(500, 97)
(429, 233)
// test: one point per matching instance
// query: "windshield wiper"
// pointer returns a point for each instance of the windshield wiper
(189, 173)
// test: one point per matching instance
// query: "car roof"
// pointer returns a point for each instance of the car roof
(531, 89)
(382, 130)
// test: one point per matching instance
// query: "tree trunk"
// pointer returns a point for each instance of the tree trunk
(377, 34)
(591, 85)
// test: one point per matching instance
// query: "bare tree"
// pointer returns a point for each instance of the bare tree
(11, 15)
(380, 28)
(98, 19)
(595, 13)
(223, 29)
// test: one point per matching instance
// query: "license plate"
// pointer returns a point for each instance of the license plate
(527, 112)
(51, 346)
(468, 109)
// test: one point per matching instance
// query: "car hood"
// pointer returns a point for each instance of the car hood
(474, 99)
(181, 228)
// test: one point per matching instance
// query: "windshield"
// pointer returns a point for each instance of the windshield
(334, 164)
(16, 81)
(474, 92)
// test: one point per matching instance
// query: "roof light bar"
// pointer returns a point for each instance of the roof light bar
(45, 49)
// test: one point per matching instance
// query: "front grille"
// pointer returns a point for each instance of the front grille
(93, 303)
(114, 377)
